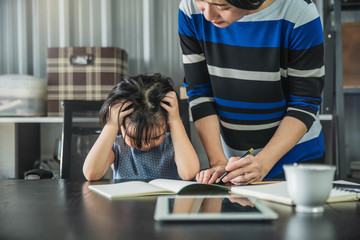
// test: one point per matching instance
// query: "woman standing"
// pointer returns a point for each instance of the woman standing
(254, 73)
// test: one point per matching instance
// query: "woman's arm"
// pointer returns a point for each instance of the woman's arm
(199, 90)
(186, 159)
(253, 169)
(305, 79)
(209, 132)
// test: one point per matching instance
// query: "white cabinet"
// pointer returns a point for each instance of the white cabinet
(23, 140)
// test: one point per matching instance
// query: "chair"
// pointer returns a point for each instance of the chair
(185, 116)
(184, 111)
(81, 128)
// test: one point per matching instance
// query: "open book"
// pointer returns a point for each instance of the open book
(277, 192)
(155, 187)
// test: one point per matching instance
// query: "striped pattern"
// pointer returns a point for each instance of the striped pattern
(252, 74)
(67, 81)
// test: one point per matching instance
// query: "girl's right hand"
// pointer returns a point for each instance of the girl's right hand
(114, 113)
(210, 175)
(172, 107)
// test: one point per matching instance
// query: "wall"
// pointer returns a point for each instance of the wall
(352, 90)
(146, 29)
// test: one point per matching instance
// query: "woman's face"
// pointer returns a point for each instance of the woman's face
(157, 136)
(220, 12)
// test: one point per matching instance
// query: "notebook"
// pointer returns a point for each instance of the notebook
(277, 192)
(155, 187)
(347, 186)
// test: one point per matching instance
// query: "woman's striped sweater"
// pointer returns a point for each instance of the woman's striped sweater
(252, 74)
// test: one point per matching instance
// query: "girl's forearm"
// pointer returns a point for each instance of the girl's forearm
(100, 157)
(186, 159)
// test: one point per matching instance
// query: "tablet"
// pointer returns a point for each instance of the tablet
(211, 208)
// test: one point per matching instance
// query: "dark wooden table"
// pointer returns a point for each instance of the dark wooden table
(60, 209)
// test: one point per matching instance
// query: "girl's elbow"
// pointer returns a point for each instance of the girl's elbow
(187, 177)
(91, 176)
(190, 175)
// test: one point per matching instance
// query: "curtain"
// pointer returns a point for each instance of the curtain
(146, 29)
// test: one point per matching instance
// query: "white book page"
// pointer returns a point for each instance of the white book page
(346, 182)
(275, 192)
(133, 188)
(172, 185)
(278, 192)
(337, 195)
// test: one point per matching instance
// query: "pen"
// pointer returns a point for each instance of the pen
(347, 187)
(222, 176)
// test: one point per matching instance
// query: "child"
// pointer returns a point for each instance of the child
(142, 108)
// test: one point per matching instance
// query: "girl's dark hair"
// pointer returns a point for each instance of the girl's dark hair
(246, 4)
(145, 92)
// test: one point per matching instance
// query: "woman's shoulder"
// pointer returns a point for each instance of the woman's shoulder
(189, 7)
(291, 11)
(300, 10)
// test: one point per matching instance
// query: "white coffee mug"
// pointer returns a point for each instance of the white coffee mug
(309, 185)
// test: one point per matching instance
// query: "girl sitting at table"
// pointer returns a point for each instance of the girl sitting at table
(142, 108)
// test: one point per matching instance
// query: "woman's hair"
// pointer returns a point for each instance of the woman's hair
(145, 92)
(246, 4)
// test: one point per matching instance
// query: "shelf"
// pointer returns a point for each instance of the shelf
(44, 119)
(31, 119)
(350, 6)
(352, 90)
(325, 117)
(347, 6)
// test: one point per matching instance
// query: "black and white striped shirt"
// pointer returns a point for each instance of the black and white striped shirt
(253, 73)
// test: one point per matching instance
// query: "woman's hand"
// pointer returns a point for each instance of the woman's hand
(210, 175)
(172, 107)
(242, 201)
(243, 171)
(114, 113)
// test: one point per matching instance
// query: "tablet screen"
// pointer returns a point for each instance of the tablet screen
(211, 208)
(210, 205)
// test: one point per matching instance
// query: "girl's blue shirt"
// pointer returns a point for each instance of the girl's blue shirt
(131, 163)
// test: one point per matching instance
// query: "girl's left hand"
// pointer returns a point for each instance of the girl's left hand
(172, 107)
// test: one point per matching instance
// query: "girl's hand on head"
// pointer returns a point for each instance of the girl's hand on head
(114, 113)
(172, 107)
